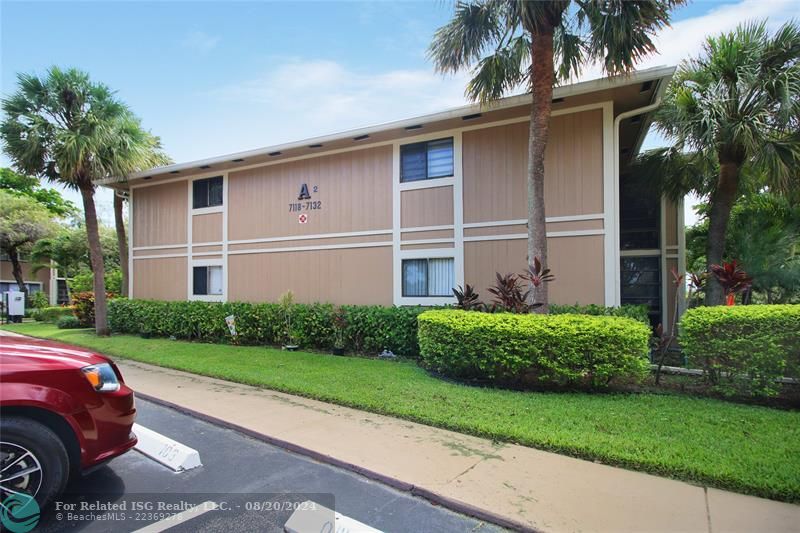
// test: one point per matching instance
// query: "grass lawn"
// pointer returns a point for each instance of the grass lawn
(744, 448)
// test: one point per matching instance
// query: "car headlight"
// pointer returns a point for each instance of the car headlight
(101, 377)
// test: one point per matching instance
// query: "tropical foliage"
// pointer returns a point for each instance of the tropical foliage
(510, 44)
(70, 130)
(733, 116)
(20, 185)
(23, 221)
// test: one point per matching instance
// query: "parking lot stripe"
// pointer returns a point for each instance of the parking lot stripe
(312, 517)
(168, 452)
(179, 518)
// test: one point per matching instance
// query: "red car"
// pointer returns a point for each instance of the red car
(63, 410)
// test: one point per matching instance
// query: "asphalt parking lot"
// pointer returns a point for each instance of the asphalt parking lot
(255, 487)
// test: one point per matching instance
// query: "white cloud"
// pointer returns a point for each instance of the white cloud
(685, 38)
(200, 41)
(310, 98)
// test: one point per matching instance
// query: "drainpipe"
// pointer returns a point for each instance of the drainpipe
(662, 86)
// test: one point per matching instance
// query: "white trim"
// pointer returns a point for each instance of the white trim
(433, 253)
(225, 204)
(189, 237)
(207, 297)
(397, 275)
(428, 241)
(496, 223)
(161, 247)
(611, 266)
(443, 227)
(162, 256)
(682, 257)
(427, 183)
(207, 210)
(565, 91)
(130, 244)
(53, 296)
(663, 262)
(550, 235)
(306, 248)
(458, 209)
(367, 233)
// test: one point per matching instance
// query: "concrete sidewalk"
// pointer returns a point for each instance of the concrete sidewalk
(537, 489)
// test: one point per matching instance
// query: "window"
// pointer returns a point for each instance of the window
(428, 277)
(12, 286)
(426, 160)
(640, 214)
(207, 280)
(207, 192)
(641, 283)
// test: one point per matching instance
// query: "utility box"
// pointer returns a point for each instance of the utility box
(15, 305)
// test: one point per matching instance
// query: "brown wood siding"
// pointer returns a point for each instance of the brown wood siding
(207, 228)
(432, 246)
(159, 214)
(433, 234)
(426, 207)
(355, 189)
(495, 165)
(42, 276)
(160, 251)
(202, 249)
(160, 279)
(294, 243)
(577, 263)
(346, 276)
(671, 223)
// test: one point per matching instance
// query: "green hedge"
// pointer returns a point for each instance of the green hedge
(744, 348)
(369, 329)
(51, 314)
(636, 312)
(562, 350)
(69, 322)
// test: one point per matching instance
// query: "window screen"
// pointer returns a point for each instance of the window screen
(641, 283)
(428, 277)
(426, 160)
(207, 192)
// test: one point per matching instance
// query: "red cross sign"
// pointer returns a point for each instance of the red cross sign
(302, 219)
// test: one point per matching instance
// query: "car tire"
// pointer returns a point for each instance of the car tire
(47, 451)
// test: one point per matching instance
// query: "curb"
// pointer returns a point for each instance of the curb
(420, 492)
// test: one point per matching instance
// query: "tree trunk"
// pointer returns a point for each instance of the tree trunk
(542, 92)
(16, 270)
(96, 256)
(721, 204)
(122, 243)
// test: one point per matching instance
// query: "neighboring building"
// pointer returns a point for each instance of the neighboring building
(402, 212)
(46, 280)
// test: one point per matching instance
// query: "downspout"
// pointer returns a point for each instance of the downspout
(662, 86)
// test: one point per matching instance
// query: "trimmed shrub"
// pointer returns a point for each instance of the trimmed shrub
(743, 349)
(69, 322)
(369, 330)
(636, 312)
(51, 314)
(562, 350)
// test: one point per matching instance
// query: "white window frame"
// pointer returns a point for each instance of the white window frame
(213, 209)
(440, 253)
(208, 297)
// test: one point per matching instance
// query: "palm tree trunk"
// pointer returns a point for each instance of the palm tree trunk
(721, 204)
(122, 243)
(542, 92)
(96, 256)
(16, 270)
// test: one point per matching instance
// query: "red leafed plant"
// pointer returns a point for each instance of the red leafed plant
(732, 278)
(537, 275)
(508, 294)
(466, 298)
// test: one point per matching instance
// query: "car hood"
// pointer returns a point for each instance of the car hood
(30, 354)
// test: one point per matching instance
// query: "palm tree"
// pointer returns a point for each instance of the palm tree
(733, 114)
(537, 44)
(67, 129)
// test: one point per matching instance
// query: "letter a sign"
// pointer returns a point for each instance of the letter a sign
(304, 195)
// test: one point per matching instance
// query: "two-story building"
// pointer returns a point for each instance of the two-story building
(400, 213)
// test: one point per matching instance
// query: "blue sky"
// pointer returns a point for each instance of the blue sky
(216, 77)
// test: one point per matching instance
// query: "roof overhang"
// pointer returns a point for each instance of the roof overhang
(565, 96)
